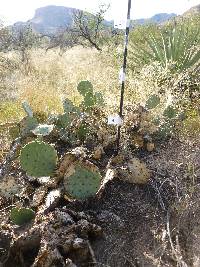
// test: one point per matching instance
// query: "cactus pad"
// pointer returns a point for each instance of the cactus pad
(136, 173)
(64, 121)
(85, 87)
(89, 101)
(22, 215)
(82, 180)
(82, 131)
(139, 173)
(69, 107)
(99, 99)
(165, 130)
(170, 112)
(27, 124)
(43, 129)
(152, 102)
(38, 159)
(27, 109)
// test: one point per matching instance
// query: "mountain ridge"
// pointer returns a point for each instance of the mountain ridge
(51, 19)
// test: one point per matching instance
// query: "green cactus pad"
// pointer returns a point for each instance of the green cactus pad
(170, 112)
(165, 130)
(99, 99)
(89, 101)
(27, 109)
(82, 181)
(152, 102)
(21, 216)
(85, 87)
(64, 121)
(82, 131)
(43, 129)
(27, 124)
(69, 107)
(38, 159)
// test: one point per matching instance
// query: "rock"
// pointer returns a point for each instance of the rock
(64, 217)
(78, 243)
(150, 146)
(52, 199)
(10, 186)
(38, 196)
(98, 152)
(135, 172)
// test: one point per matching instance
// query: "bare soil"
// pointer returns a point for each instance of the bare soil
(150, 225)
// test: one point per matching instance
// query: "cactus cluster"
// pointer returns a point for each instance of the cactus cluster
(166, 122)
(26, 125)
(85, 88)
(38, 159)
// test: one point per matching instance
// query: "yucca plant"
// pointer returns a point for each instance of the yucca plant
(176, 49)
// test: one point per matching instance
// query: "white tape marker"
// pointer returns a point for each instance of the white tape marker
(120, 24)
(115, 120)
(128, 23)
(121, 75)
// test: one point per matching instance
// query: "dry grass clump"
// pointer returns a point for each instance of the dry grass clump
(52, 77)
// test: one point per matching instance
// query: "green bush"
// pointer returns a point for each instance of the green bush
(173, 47)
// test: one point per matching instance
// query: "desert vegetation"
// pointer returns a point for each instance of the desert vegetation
(67, 196)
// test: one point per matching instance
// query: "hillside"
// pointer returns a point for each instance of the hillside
(51, 19)
(193, 11)
(157, 18)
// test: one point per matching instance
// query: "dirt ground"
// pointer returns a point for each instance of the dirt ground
(150, 225)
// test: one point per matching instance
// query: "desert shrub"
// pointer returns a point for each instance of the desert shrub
(176, 48)
(190, 127)
(8, 69)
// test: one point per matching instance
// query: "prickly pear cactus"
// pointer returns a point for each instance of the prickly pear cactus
(43, 129)
(152, 102)
(26, 125)
(69, 107)
(170, 112)
(22, 215)
(64, 121)
(82, 180)
(89, 101)
(82, 131)
(137, 172)
(85, 87)
(165, 130)
(99, 99)
(38, 159)
(27, 109)
(70, 113)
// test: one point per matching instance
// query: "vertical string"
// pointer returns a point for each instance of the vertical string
(123, 73)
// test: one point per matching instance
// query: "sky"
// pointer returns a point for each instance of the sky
(23, 10)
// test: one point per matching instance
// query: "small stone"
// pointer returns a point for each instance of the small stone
(150, 146)
(78, 243)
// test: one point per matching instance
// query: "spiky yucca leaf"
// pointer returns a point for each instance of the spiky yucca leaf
(177, 47)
